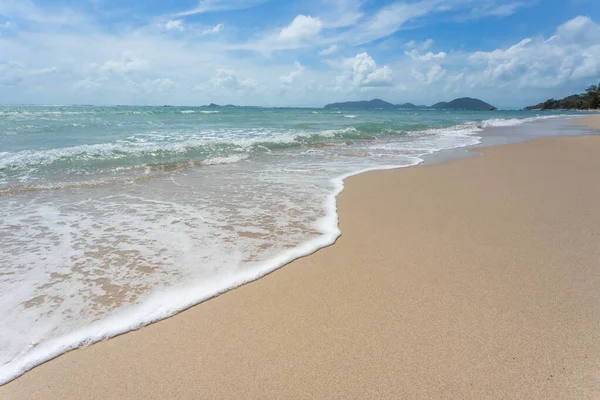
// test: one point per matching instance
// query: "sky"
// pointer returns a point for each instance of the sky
(510, 53)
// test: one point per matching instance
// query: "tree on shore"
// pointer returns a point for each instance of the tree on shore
(584, 101)
(593, 93)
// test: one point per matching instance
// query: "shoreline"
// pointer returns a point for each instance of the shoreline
(303, 259)
(153, 310)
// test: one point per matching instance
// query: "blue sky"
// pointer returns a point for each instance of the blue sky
(296, 53)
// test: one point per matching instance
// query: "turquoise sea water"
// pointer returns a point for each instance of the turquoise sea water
(114, 217)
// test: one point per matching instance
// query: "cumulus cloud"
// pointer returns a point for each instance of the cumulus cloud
(579, 29)
(433, 74)
(228, 80)
(429, 56)
(361, 72)
(302, 28)
(289, 78)
(115, 66)
(573, 53)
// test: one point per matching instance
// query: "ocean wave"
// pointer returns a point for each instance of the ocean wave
(174, 148)
(507, 122)
(155, 147)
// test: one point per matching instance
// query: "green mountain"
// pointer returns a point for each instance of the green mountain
(584, 101)
(409, 105)
(376, 103)
(464, 103)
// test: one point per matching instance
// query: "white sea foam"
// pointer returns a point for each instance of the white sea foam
(154, 143)
(225, 160)
(349, 116)
(500, 122)
(168, 302)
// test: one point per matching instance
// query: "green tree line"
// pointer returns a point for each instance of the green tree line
(584, 101)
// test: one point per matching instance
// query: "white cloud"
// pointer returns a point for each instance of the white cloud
(13, 73)
(341, 13)
(342, 23)
(304, 31)
(389, 19)
(504, 10)
(426, 44)
(581, 29)
(302, 28)
(213, 30)
(361, 73)
(289, 78)
(429, 56)
(129, 62)
(175, 24)
(144, 65)
(573, 53)
(419, 46)
(50, 17)
(330, 50)
(405, 15)
(228, 80)
(207, 6)
(434, 74)
(379, 77)
(490, 8)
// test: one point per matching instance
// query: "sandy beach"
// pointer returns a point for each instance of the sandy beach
(483, 283)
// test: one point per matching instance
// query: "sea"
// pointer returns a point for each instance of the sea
(115, 217)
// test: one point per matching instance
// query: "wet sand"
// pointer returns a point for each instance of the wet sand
(591, 121)
(474, 279)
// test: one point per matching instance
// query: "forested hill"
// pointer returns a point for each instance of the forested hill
(465, 103)
(590, 100)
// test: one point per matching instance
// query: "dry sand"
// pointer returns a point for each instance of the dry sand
(476, 279)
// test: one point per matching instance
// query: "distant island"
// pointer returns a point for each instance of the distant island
(590, 100)
(464, 103)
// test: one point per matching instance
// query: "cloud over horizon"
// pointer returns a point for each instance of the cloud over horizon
(255, 52)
